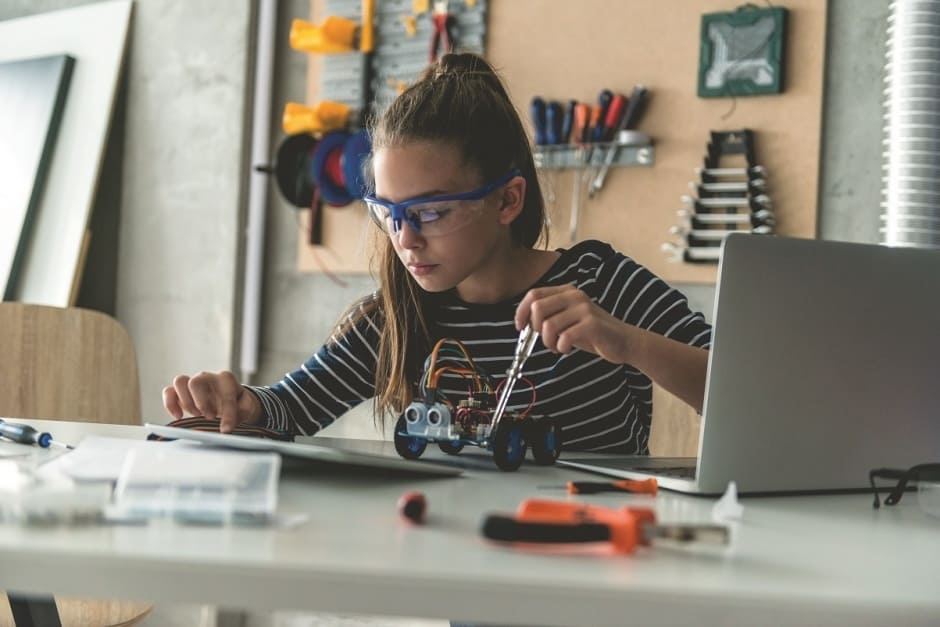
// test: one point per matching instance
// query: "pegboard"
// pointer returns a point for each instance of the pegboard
(547, 53)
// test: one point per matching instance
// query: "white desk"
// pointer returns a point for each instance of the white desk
(795, 560)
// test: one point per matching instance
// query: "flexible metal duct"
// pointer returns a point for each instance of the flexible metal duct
(911, 181)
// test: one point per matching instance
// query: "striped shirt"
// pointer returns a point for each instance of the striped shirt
(600, 406)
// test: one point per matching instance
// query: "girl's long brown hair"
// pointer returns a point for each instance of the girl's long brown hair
(461, 101)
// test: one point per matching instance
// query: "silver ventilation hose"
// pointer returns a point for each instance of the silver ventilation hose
(910, 208)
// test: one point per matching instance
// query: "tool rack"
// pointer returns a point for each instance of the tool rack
(631, 149)
(728, 198)
(373, 80)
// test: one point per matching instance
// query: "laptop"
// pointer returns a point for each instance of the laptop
(335, 455)
(825, 363)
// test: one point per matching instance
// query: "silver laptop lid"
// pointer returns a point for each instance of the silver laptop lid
(825, 363)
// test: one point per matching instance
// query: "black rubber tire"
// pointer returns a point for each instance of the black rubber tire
(408, 446)
(509, 445)
(545, 439)
(451, 448)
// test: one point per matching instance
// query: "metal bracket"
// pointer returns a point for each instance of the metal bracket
(592, 155)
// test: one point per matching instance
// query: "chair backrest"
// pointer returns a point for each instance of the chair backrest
(66, 364)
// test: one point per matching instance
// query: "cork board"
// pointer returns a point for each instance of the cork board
(579, 48)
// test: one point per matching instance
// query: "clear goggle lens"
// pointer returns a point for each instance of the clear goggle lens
(430, 219)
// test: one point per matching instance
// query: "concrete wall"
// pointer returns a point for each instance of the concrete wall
(178, 139)
(181, 187)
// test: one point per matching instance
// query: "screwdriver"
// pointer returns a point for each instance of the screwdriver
(24, 434)
(568, 122)
(537, 109)
(603, 104)
(554, 122)
(646, 486)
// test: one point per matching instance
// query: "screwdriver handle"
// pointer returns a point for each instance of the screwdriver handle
(614, 114)
(582, 112)
(634, 107)
(553, 122)
(596, 122)
(509, 529)
(646, 486)
(568, 122)
(24, 434)
(537, 108)
(597, 127)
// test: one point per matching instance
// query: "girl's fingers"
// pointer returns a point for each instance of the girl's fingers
(227, 390)
(181, 387)
(171, 402)
(523, 310)
(558, 324)
(204, 394)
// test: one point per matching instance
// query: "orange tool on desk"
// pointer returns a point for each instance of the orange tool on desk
(549, 522)
(633, 486)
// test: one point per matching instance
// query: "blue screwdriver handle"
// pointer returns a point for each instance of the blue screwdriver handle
(24, 434)
(553, 121)
(537, 109)
(568, 122)
(603, 99)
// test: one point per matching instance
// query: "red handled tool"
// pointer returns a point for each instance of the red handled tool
(548, 522)
(442, 37)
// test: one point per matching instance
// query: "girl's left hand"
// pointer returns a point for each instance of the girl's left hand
(568, 319)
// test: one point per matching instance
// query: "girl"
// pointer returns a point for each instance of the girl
(457, 199)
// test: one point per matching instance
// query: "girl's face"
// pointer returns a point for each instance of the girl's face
(459, 242)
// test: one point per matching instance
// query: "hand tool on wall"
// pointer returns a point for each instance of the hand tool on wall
(553, 122)
(322, 117)
(628, 121)
(442, 38)
(548, 522)
(615, 113)
(568, 122)
(336, 35)
(597, 126)
(537, 110)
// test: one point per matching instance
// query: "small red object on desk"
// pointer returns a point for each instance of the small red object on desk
(412, 506)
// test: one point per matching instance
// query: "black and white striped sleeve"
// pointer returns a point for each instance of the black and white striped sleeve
(334, 380)
(637, 296)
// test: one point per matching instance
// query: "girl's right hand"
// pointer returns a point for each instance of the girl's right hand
(213, 395)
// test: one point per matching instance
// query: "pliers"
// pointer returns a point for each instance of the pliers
(544, 521)
(442, 37)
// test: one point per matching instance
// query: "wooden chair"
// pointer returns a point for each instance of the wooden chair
(69, 364)
(675, 428)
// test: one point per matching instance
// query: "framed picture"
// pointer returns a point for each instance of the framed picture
(741, 52)
(32, 99)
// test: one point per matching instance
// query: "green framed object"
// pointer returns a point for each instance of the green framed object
(741, 52)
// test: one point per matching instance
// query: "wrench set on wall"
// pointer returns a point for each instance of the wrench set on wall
(730, 196)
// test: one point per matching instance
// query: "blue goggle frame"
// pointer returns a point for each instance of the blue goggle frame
(399, 210)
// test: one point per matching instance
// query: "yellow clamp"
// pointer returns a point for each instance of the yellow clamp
(321, 118)
(334, 35)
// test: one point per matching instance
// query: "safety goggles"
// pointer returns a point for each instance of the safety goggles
(432, 215)
(926, 476)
